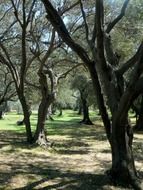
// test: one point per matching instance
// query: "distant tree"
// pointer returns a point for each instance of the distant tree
(7, 91)
(81, 83)
(14, 51)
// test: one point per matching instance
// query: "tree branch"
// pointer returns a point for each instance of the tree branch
(85, 22)
(16, 13)
(60, 27)
(118, 18)
(64, 75)
(131, 61)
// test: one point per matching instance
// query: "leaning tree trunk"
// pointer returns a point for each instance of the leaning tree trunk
(47, 100)
(26, 113)
(40, 134)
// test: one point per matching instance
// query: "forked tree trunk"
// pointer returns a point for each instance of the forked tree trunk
(26, 113)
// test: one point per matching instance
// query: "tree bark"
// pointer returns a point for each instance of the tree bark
(40, 134)
(123, 169)
(86, 120)
(46, 101)
(100, 101)
(80, 109)
(139, 122)
(1, 114)
(26, 113)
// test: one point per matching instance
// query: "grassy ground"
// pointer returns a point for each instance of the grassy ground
(78, 160)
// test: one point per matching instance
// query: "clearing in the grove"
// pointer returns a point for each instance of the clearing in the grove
(78, 159)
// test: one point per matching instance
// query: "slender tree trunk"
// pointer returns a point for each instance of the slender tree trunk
(26, 113)
(86, 120)
(61, 112)
(80, 109)
(139, 122)
(100, 101)
(1, 114)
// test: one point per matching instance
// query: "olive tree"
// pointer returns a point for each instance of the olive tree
(107, 76)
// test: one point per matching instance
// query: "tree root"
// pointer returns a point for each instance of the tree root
(133, 181)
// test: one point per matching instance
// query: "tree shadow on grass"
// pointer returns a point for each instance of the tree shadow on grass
(69, 181)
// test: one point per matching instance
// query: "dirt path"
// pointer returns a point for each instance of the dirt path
(78, 160)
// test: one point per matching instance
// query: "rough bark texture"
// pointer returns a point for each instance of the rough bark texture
(46, 101)
(26, 113)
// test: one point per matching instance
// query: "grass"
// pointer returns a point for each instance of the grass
(78, 160)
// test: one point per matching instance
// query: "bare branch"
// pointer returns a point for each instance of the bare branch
(69, 8)
(7, 30)
(85, 22)
(131, 61)
(32, 84)
(118, 18)
(30, 12)
(16, 13)
(5, 13)
(64, 75)
(60, 27)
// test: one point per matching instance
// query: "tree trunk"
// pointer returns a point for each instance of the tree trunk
(100, 101)
(86, 120)
(80, 109)
(123, 169)
(61, 112)
(26, 113)
(139, 122)
(1, 114)
(40, 135)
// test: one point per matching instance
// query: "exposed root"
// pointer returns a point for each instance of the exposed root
(43, 142)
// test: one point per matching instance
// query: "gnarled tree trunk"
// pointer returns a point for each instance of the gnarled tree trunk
(46, 101)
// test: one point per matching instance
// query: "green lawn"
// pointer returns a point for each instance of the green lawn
(77, 161)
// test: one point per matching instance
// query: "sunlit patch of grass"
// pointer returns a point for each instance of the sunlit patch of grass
(78, 159)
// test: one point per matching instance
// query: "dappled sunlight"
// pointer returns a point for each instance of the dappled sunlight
(78, 159)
